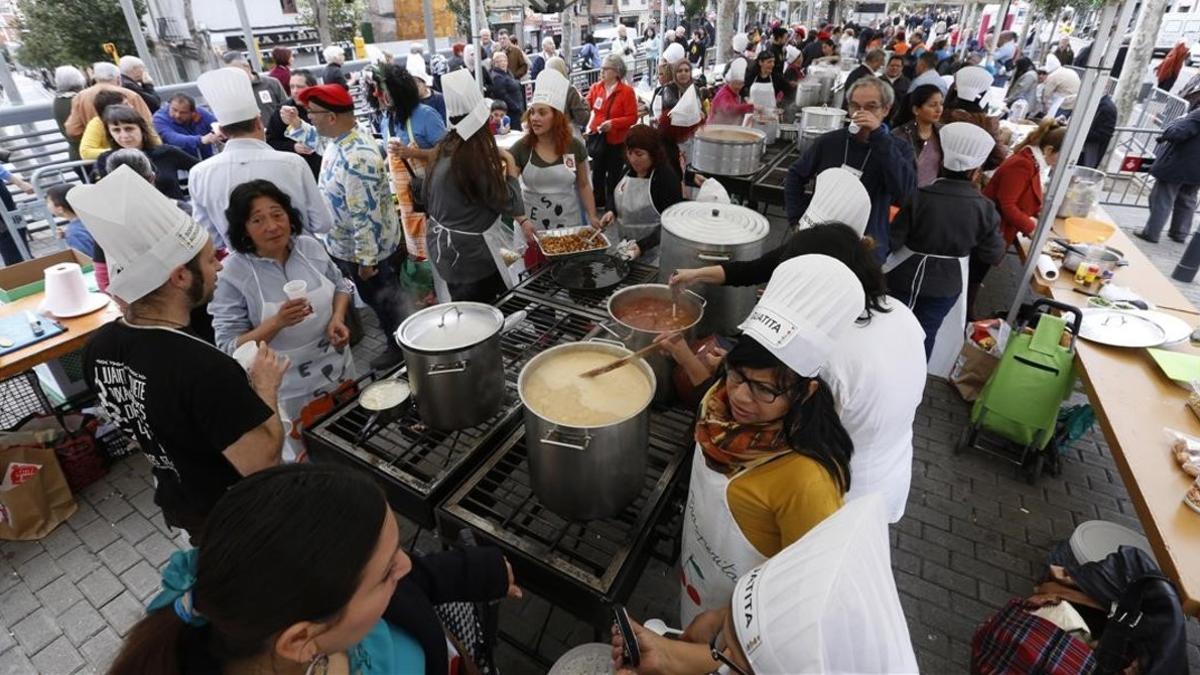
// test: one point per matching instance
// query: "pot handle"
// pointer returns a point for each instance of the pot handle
(709, 257)
(447, 368)
(699, 298)
(607, 342)
(513, 320)
(607, 328)
(548, 440)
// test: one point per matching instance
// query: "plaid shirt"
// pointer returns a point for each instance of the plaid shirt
(1015, 642)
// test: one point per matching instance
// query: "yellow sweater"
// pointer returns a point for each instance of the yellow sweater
(777, 503)
(94, 141)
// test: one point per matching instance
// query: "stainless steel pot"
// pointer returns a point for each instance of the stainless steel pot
(455, 365)
(727, 150)
(769, 125)
(821, 118)
(698, 234)
(1107, 257)
(636, 338)
(810, 93)
(584, 473)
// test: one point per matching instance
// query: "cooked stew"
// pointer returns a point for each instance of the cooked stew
(554, 390)
(656, 314)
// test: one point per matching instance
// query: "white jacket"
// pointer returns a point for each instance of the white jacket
(1062, 82)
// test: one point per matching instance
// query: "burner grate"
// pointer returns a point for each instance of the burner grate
(594, 557)
(541, 285)
(418, 465)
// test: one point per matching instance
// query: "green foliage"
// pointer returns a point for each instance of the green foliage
(1055, 7)
(58, 32)
(461, 9)
(344, 16)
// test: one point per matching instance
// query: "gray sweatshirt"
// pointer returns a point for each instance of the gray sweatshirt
(462, 258)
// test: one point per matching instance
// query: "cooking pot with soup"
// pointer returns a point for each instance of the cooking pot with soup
(641, 313)
(728, 150)
(587, 437)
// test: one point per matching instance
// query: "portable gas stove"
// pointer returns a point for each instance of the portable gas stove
(541, 286)
(579, 566)
(767, 187)
(418, 466)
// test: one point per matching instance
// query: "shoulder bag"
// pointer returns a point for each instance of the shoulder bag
(597, 141)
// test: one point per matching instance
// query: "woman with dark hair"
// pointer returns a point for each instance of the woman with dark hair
(284, 583)
(679, 127)
(282, 56)
(94, 141)
(772, 459)
(922, 132)
(650, 185)
(1023, 88)
(124, 128)
(470, 185)
(282, 288)
(965, 104)
(764, 73)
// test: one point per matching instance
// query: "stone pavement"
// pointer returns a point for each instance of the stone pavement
(974, 535)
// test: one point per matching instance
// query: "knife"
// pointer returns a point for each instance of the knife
(35, 324)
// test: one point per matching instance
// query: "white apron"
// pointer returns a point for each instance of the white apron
(950, 336)
(715, 553)
(317, 366)
(638, 218)
(495, 238)
(551, 200)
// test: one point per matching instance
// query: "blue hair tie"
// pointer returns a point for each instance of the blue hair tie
(178, 578)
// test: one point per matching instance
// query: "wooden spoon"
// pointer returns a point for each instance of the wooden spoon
(620, 362)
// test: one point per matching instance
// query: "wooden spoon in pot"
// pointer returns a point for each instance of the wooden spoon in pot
(620, 362)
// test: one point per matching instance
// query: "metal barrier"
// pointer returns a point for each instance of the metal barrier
(1128, 181)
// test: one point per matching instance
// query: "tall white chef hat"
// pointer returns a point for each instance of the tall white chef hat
(229, 94)
(737, 70)
(790, 53)
(972, 82)
(674, 54)
(144, 235)
(838, 197)
(965, 147)
(827, 603)
(809, 303)
(551, 88)
(713, 191)
(740, 41)
(415, 65)
(463, 99)
(1052, 64)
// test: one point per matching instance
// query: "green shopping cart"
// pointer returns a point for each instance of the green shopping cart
(1016, 413)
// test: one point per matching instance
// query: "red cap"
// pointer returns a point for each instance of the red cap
(824, 35)
(332, 97)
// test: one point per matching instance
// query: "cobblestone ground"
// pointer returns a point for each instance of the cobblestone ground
(974, 535)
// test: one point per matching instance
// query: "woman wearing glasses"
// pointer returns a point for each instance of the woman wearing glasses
(772, 458)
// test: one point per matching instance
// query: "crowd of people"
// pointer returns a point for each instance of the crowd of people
(893, 222)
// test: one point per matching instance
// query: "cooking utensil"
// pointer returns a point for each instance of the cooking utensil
(727, 150)
(1107, 257)
(637, 337)
(1175, 330)
(1088, 230)
(592, 658)
(385, 400)
(619, 362)
(1118, 328)
(591, 272)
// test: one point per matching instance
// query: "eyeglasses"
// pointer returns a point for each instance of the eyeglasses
(871, 107)
(761, 392)
(717, 647)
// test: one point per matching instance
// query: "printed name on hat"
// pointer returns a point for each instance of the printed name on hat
(779, 330)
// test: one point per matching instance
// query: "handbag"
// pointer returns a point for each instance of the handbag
(416, 186)
(597, 141)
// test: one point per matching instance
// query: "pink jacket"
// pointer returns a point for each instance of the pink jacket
(727, 108)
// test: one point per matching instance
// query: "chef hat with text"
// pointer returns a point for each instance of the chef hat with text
(740, 42)
(965, 147)
(145, 236)
(464, 100)
(838, 197)
(674, 54)
(828, 602)
(972, 82)
(229, 94)
(551, 88)
(737, 70)
(809, 303)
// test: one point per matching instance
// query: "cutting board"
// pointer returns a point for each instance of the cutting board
(16, 328)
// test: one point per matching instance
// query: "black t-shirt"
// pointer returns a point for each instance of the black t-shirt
(183, 400)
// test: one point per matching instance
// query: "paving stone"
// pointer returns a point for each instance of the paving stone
(78, 563)
(83, 515)
(59, 657)
(17, 552)
(120, 556)
(112, 507)
(97, 534)
(100, 586)
(16, 603)
(80, 622)
(122, 612)
(39, 571)
(36, 631)
(8, 576)
(59, 542)
(143, 502)
(156, 549)
(14, 662)
(58, 595)
(134, 528)
(6, 639)
(142, 580)
(101, 649)
(129, 485)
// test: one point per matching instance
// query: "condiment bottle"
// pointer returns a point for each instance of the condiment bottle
(1093, 272)
(1081, 273)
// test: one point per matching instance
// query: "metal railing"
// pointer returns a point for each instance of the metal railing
(1127, 170)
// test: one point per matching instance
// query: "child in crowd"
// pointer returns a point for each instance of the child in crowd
(499, 124)
(76, 234)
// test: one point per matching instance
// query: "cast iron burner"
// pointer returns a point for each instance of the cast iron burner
(417, 465)
(541, 286)
(579, 566)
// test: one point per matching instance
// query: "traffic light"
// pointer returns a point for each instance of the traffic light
(111, 49)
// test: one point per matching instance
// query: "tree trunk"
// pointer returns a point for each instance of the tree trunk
(1141, 48)
(321, 14)
(726, 18)
(566, 19)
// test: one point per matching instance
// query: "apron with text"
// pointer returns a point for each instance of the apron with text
(637, 217)
(497, 238)
(949, 340)
(412, 222)
(316, 365)
(549, 193)
(715, 552)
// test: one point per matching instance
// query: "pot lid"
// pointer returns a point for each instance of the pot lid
(716, 224)
(449, 327)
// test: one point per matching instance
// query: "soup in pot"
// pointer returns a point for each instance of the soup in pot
(732, 135)
(656, 314)
(555, 391)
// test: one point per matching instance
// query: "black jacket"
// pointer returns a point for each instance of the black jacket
(858, 72)
(506, 88)
(1104, 124)
(948, 217)
(276, 138)
(146, 91)
(333, 75)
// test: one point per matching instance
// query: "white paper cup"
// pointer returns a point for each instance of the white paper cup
(245, 354)
(296, 289)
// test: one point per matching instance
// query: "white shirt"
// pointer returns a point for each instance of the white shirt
(877, 376)
(1064, 83)
(244, 159)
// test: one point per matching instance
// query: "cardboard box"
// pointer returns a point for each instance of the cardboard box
(27, 278)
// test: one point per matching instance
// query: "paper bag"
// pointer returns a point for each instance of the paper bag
(686, 112)
(34, 508)
(972, 370)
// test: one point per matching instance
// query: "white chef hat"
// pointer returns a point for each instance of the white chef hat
(737, 70)
(551, 88)
(790, 53)
(838, 197)
(1052, 64)
(972, 82)
(740, 41)
(965, 147)
(674, 54)
(713, 191)
(828, 602)
(415, 65)
(810, 301)
(144, 235)
(229, 94)
(463, 99)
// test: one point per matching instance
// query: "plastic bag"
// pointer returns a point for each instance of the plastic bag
(686, 112)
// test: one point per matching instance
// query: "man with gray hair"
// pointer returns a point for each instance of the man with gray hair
(135, 78)
(107, 77)
(883, 163)
(267, 91)
(549, 51)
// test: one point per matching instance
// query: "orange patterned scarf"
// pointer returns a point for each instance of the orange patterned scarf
(728, 442)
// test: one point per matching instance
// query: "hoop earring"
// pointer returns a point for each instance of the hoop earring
(321, 661)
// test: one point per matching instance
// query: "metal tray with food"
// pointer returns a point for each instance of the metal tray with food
(565, 242)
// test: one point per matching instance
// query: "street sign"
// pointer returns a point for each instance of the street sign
(1136, 163)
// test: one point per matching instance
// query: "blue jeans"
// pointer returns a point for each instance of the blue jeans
(1174, 200)
(930, 313)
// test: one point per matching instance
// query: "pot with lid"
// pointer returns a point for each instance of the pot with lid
(699, 234)
(727, 150)
(455, 365)
(642, 312)
(586, 437)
